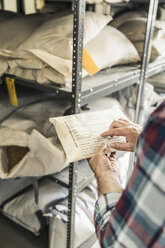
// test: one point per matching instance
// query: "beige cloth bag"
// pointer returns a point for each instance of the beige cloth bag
(134, 29)
(110, 47)
(24, 155)
(47, 53)
(25, 151)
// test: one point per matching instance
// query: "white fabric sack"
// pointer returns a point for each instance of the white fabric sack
(110, 47)
(84, 225)
(15, 29)
(134, 29)
(45, 75)
(104, 103)
(40, 158)
(126, 16)
(157, 50)
(55, 36)
(50, 47)
(26, 152)
(23, 208)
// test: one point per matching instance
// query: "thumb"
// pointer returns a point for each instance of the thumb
(102, 148)
(122, 146)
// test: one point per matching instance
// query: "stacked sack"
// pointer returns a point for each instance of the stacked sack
(44, 53)
(133, 25)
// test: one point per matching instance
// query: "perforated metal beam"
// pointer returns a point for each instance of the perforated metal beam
(78, 29)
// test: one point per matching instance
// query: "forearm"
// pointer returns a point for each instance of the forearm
(108, 184)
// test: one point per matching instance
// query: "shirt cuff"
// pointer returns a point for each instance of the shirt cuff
(104, 204)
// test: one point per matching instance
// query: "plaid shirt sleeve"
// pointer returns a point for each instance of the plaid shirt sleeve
(136, 219)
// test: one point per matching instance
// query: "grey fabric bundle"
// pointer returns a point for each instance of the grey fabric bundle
(26, 212)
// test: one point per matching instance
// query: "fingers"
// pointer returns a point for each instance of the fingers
(114, 132)
(122, 146)
(102, 148)
(115, 125)
(100, 163)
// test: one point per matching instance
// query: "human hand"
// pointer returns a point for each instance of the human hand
(106, 171)
(124, 128)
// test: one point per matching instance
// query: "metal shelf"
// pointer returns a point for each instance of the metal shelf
(84, 176)
(103, 83)
(107, 82)
(156, 67)
(53, 88)
(25, 96)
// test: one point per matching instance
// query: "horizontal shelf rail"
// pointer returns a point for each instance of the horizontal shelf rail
(84, 176)
(102, 84)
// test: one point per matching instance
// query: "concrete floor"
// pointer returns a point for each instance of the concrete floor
(14, 236)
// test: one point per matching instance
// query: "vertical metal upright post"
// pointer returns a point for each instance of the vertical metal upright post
(78, 30)
(153, 5)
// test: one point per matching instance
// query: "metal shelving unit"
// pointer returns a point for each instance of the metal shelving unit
(89, 89)
(105, 86)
